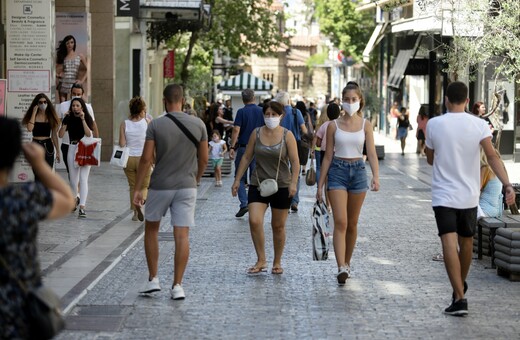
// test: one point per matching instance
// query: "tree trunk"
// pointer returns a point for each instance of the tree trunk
(184, 72)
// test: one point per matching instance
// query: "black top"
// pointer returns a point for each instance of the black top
(403, 123)
(41, 129)
(75, 126)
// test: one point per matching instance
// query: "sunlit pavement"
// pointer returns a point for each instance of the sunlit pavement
(396, 290)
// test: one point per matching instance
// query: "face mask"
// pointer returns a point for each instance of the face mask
(272, 122)
(42, 107)
(350, 108)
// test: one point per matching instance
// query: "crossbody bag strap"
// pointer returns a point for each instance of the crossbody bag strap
(280, 155)
(11, 273)
(184, 129)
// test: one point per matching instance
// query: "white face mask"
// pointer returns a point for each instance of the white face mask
(350, 108)
(42, 107)
(272, 122)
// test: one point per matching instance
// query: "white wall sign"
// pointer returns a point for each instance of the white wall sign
(29, 54)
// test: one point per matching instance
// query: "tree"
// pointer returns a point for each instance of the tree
(238, 27)
(348, 30)
(486, 33)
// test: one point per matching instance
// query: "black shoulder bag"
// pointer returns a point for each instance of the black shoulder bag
(184, 129)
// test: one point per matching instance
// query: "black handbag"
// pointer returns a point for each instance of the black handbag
(44, 316)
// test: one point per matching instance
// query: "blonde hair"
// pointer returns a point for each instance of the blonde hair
(323, 116)
(485, 169)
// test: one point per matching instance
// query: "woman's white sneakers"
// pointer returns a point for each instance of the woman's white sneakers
(343, 275)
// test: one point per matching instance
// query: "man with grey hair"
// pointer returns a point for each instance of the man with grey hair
(247, 120)
(292, 121)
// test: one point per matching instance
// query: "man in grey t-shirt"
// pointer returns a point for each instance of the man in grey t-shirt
(179, 165)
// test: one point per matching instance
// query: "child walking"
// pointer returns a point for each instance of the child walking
(217, 149)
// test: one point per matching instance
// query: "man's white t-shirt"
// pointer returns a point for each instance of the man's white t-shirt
(62, 109)
(455, 139)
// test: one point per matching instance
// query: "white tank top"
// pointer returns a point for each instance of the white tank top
(135, 133)
(349, 144)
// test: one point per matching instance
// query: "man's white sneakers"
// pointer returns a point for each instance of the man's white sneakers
(150, 286)
(177, 292)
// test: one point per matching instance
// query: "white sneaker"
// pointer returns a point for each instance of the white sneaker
(177, 292)
(150, 286)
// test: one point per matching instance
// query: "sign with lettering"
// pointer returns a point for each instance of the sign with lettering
(29, 54)
(128, 8)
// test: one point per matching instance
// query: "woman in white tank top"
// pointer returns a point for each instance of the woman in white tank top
(132, 134)
(344, 169)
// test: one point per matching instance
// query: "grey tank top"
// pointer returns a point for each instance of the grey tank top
(267, 162)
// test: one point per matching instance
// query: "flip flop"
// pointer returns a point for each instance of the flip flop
(277, 270)
(256, 270)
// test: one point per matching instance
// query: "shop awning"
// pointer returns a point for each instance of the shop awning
(244, 81)
(375, 38)
(398, 68)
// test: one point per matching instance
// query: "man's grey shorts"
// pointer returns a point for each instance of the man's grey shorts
(180, 202)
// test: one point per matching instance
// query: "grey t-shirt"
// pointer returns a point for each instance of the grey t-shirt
(176, 156)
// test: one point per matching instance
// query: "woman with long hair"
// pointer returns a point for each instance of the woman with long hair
(78, 122)
(344, 168)
(41, 119)
(132, 134)
(216, 119)
(68, 63)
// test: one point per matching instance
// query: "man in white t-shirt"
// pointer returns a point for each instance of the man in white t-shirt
(453, 148)
(62, 109)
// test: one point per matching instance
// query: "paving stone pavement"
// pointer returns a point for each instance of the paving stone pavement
(396, 290)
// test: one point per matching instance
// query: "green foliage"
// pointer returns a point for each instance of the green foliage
(245, 27)
(238, 27)
(317, 59)
(497, 45)
(199, 67)
(349, 30)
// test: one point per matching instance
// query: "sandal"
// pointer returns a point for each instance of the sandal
(256, 270)
(438, 257)
(277, 270)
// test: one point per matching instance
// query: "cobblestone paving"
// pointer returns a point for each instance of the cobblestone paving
(396, 290)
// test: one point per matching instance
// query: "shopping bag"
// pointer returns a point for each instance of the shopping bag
(88, 152)
(119, 156)
(321, 233)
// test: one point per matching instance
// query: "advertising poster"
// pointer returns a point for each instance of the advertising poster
(72, 54)
(29, 54)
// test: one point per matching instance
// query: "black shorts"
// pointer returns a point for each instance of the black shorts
(460, 221)
(279, 200)
(420, 135)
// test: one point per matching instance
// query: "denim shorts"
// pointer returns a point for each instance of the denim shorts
(346, 175)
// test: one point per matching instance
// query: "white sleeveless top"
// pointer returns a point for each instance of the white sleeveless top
(135, 133)
(349, 144)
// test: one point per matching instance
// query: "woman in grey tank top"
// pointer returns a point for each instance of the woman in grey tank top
(274, 148)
